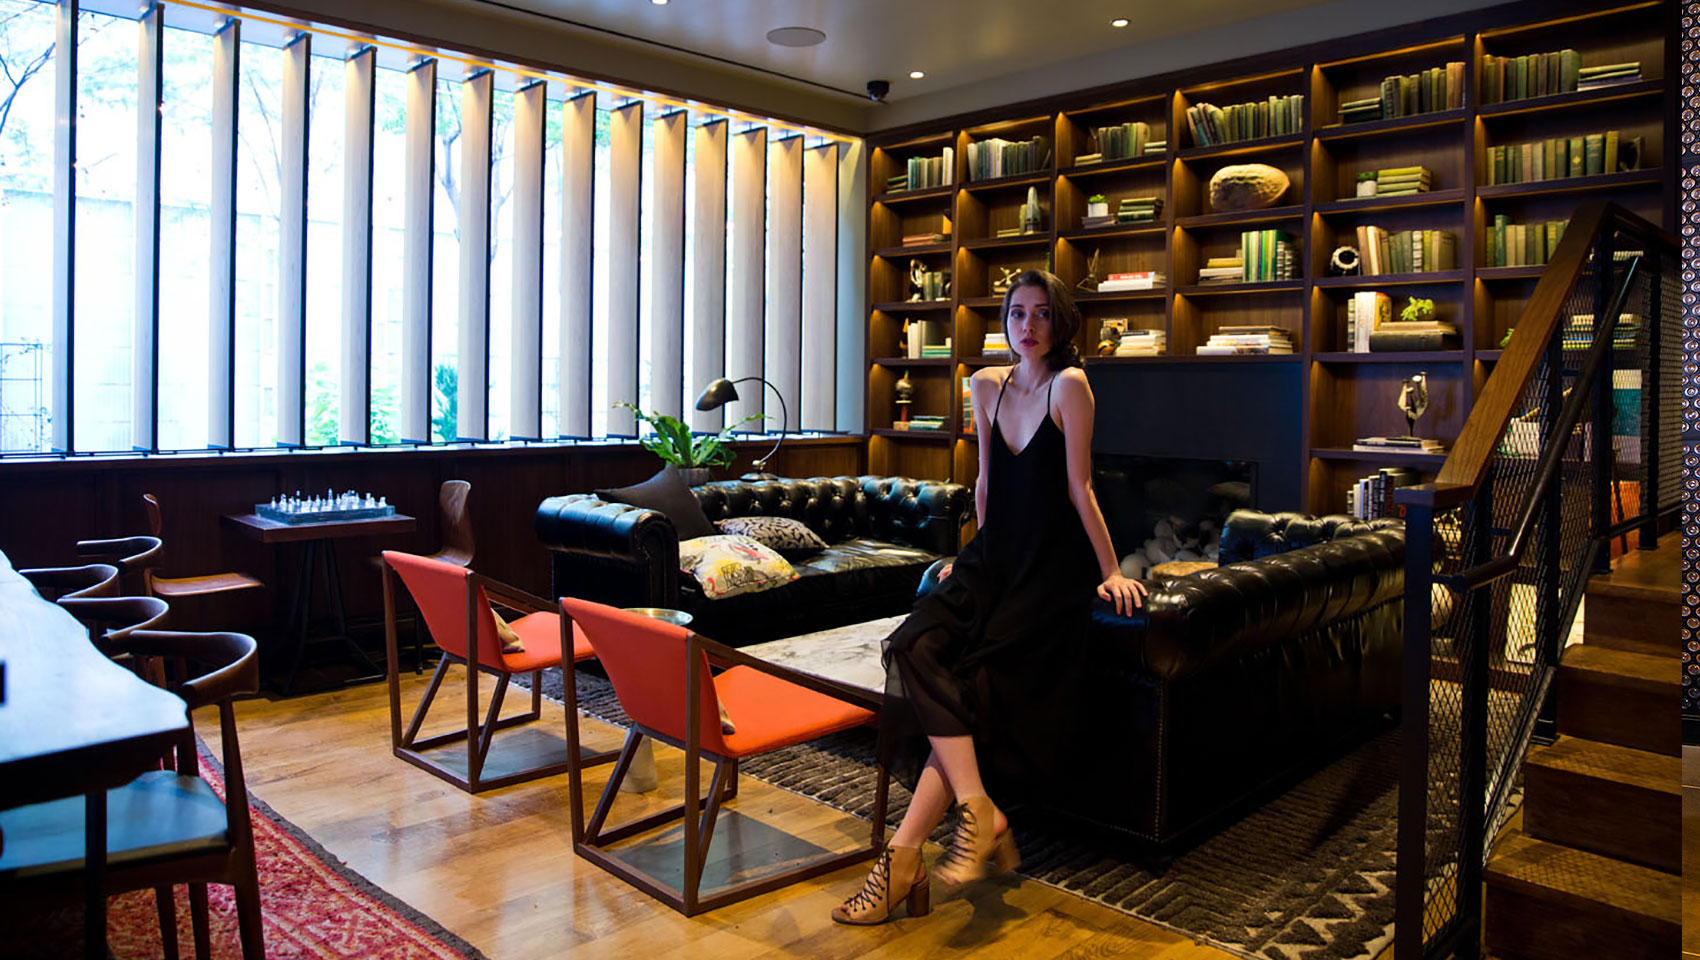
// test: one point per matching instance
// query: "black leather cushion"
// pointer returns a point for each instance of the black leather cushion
(666, 492)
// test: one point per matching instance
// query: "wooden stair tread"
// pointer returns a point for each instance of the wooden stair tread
(1552, 871)
(1637, 669)
(1590, 758)
(1644, 574)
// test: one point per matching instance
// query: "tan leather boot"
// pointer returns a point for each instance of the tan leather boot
(975, 852)
(898, 875)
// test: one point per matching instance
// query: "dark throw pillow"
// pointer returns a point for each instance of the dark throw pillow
(668, 493)
(789, 538)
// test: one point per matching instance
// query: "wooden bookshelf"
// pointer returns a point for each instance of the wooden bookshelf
(1344, 394)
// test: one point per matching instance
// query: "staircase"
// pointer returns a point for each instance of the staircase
(1594, 868)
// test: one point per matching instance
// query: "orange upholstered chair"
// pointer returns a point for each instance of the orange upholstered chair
(455, 603)
(661, 674)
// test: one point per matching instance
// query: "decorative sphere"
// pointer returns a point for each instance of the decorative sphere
(1247, 186)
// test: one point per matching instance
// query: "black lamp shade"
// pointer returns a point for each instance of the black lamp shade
(717, 394)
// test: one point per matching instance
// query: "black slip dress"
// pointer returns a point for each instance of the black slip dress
(996, 651)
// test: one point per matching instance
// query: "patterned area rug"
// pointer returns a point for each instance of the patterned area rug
(314, 905)
(1309, 876)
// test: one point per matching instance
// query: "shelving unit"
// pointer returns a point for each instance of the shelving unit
(1345, 395)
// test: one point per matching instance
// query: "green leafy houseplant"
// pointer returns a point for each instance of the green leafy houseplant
(674, 442)
(1418, 309)
(1097, 198)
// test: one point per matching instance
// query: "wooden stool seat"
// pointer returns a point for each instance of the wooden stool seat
(200, 586)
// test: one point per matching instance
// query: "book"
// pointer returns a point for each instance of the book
(1372, 309)
(1391, 339)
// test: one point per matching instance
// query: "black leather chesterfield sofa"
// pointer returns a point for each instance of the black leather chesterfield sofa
(1237, 680)
(882, 532)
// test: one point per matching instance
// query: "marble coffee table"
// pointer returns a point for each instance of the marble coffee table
(848, 655)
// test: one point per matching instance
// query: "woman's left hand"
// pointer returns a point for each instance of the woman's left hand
(1126, 594)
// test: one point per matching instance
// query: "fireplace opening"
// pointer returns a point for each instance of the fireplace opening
(1160, 509)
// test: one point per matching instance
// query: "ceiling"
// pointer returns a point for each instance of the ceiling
(956, 42)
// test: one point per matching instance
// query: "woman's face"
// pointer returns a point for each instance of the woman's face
(1028, 324)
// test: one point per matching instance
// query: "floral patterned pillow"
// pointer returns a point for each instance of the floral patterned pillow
(792, 539)
(725, 566)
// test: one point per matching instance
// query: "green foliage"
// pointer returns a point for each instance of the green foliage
(1418, 309)
(445, 419)
(674, 442)
(1097, 198)
(1506, 339)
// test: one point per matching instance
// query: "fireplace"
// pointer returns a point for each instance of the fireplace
(1169, 508)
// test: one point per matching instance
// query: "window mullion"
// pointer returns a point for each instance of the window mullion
(477, 128)
(820, 288)
(144, 353)
(783, 305)
(745, 289)
(667, 267)
(578, 223)
(525, 350)
(625, 173)
(221, 253)
(708, 271)
(359, 92)
(419, 163)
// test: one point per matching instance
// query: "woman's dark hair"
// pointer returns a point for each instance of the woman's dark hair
(1065, 316)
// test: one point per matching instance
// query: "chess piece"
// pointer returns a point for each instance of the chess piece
(1413, 400)
(905, 390)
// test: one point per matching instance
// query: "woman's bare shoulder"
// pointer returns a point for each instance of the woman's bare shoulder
(989, 377)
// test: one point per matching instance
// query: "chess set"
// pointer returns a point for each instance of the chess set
(329, 508)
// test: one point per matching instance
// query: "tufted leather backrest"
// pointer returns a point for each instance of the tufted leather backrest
(1215, 616)
(922, 513)
(1253, 535)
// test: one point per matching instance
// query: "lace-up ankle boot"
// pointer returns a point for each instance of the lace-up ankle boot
(975, 852)
(898, 876)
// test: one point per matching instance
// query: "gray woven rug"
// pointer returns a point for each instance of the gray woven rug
(1309, 876)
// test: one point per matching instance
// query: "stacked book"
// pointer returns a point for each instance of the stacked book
(1222, 270)
(1137, 280)
(1142, 343)
(934, 351)
(1231, 340)
(1272, 117)
(1372, 496)
(1579, 332)
(1510, 244)
(1404, 336)
(1408, 251)
(926, 338)
(996, 345)
(923, 239)
(1366, 311)
(1267, 255)
(1559, 157)
(923, 422)
(921, 173)
(1128, 210)
(997, 157)
(1533, 75)
(1402, 181)
(1397, 445)
(1608, 75)
(1361, 110)
(1122, 141)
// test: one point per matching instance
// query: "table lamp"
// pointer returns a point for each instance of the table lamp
(722, 391)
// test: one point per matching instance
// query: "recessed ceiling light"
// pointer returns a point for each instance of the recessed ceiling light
(916, 74)
(795, 36)
(659, 3)
(1117, 22)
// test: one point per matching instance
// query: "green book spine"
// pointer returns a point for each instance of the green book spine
(1609, 162)
(1488, 234)
(1569, 70)
(1499, 245)
(1594, 150)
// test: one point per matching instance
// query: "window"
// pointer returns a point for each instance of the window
(290, 335)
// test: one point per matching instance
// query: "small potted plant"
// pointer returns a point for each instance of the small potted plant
(1097, 205)
(1418, 309)
(695, 454)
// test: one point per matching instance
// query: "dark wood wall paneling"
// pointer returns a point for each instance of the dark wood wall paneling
(45, 507)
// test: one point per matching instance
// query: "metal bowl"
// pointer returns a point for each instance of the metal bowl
(678, 618)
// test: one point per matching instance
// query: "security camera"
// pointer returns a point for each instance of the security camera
(877, 89)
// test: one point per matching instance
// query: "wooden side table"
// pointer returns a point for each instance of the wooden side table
(318, 542)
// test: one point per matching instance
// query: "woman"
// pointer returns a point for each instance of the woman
(982, 679)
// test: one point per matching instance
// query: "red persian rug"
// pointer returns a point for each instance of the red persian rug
(315, 906)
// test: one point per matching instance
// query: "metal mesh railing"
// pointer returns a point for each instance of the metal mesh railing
(1503, 563)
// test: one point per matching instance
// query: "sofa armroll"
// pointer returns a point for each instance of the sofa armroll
(612, 553)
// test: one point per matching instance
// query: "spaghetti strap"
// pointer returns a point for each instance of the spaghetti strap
(1001, 388)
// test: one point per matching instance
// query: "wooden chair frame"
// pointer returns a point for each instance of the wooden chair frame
(589, 840)
(407, 744)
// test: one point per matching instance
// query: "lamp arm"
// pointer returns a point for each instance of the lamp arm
(784, 421)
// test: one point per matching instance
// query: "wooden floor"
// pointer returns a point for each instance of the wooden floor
(498, 869)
